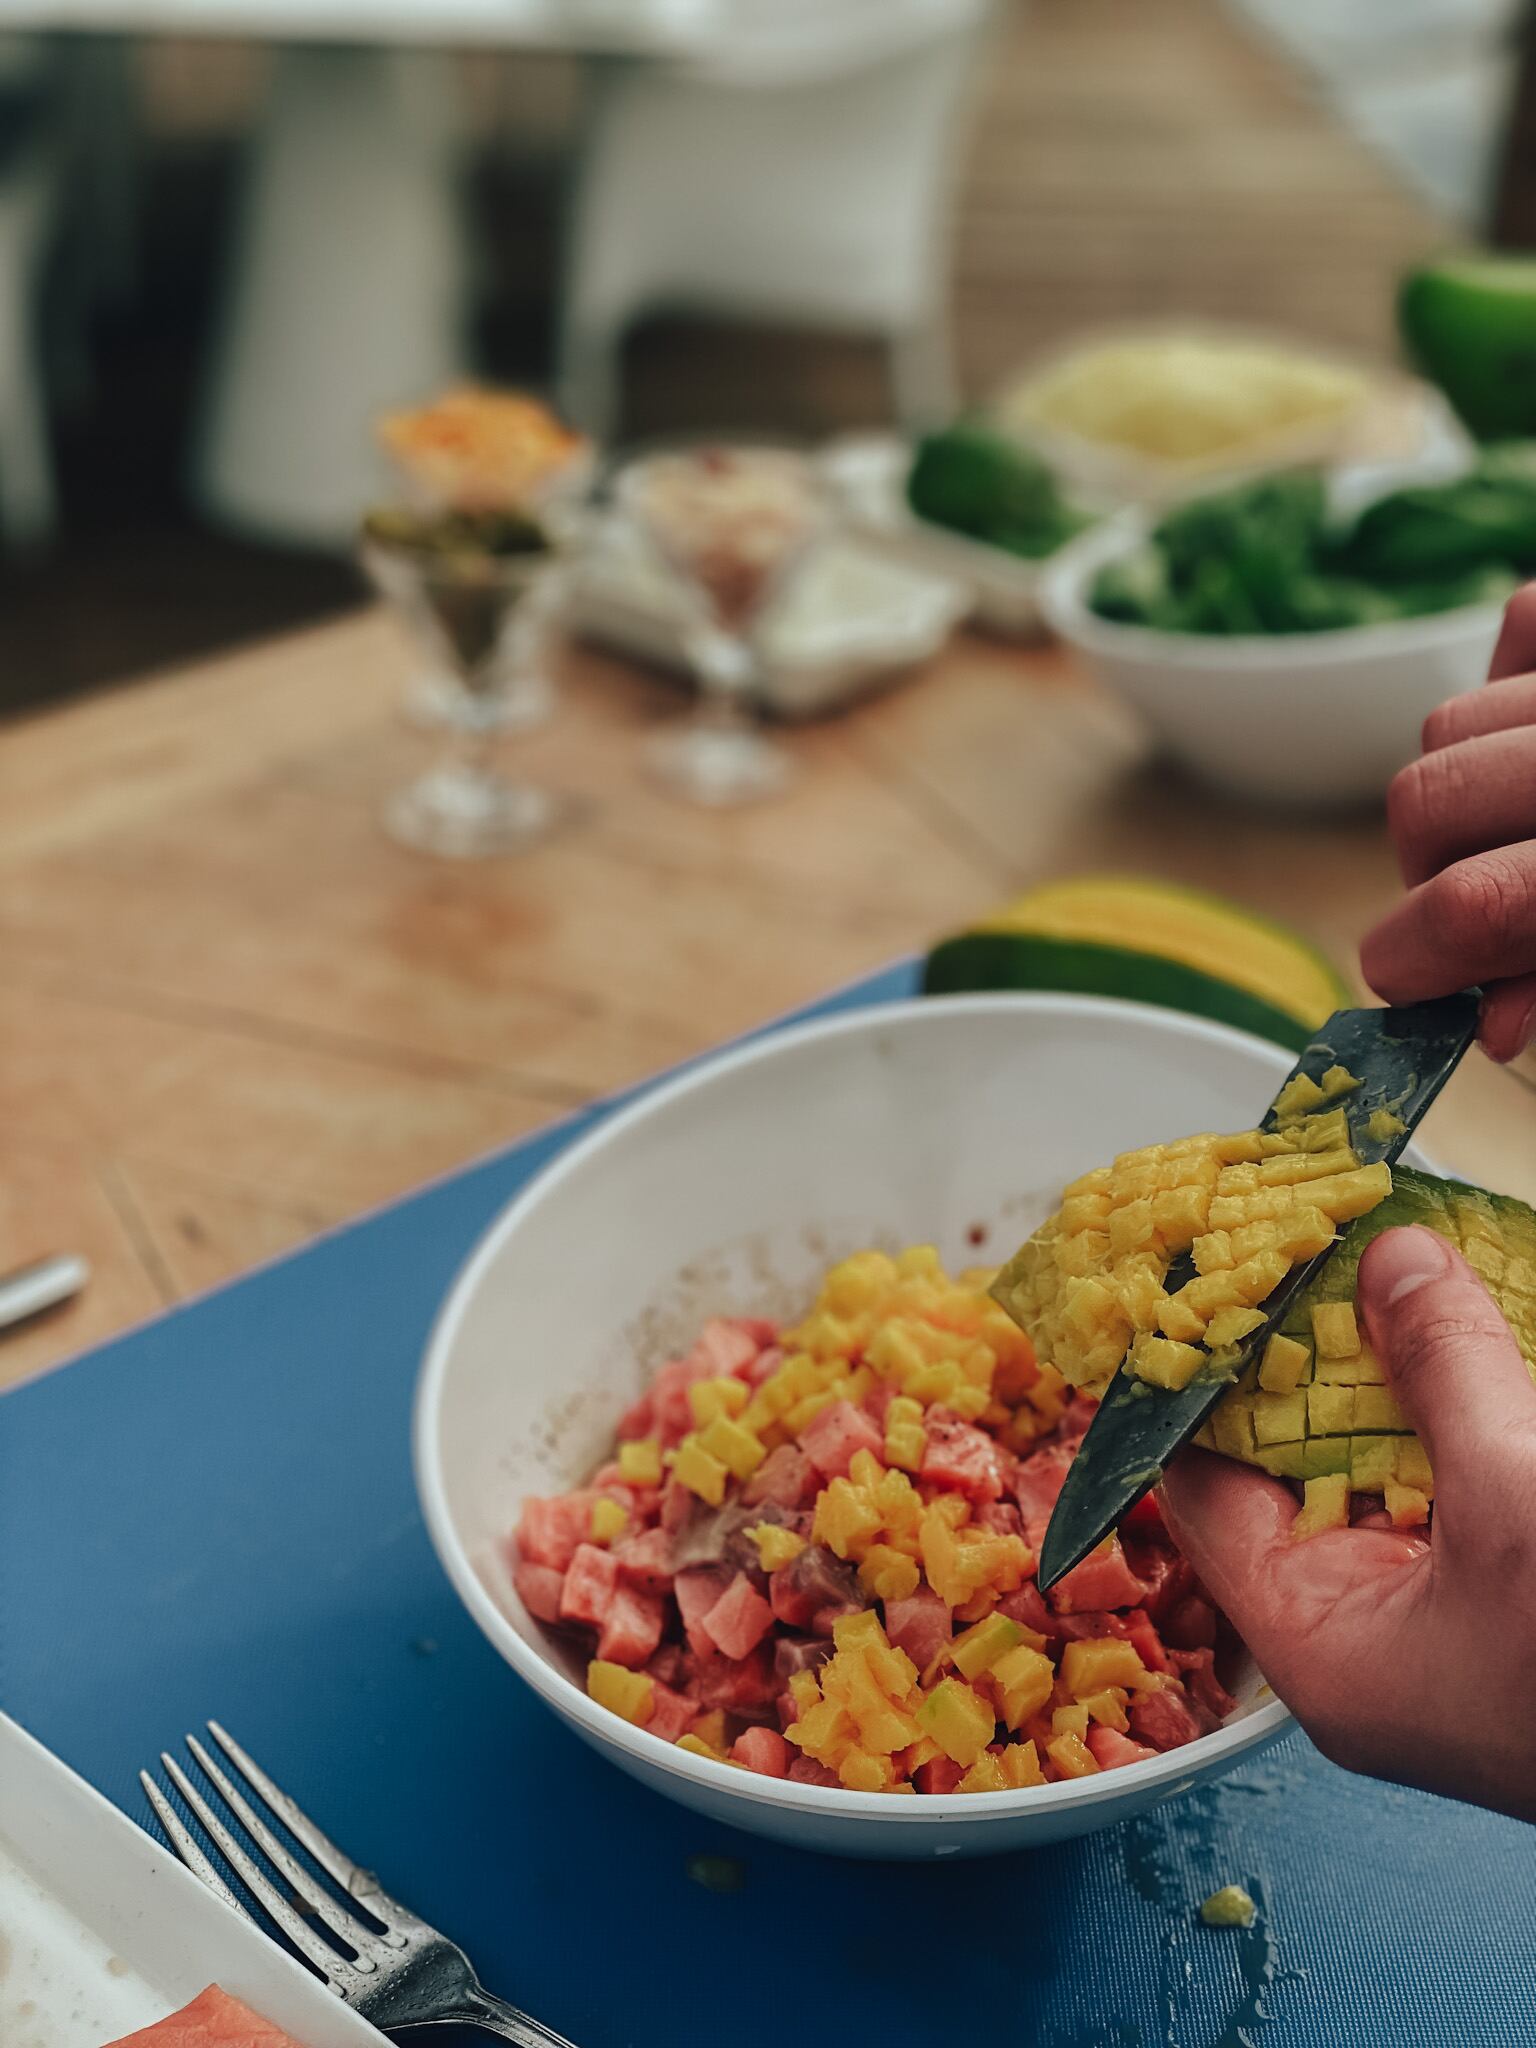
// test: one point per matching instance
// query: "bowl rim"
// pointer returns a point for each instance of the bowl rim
(1234, 1738)
(1256, 656)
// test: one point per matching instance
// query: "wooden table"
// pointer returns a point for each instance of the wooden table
(233, 1014)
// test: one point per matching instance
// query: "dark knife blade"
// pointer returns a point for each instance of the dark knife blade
(1402, 1058)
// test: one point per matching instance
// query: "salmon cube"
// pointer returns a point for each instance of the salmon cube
(764, 1366)
(739, 1619)
(551, 1530)
(748, 1686)
(589, 1586)
(672, 1714)
(961, 1458)
(637, 1420)
(939, 1774)
(763, 1750)
(786, 1477)
(538, 1587)
(1103, 1579)
(1108, 1748)
(724, 1346)
(676, 1505)
(806, 1771)
(921, 1625)
(646, 1561)
(832, 1436)
(1146, 1641)
(696, 1591)
(631, 1629)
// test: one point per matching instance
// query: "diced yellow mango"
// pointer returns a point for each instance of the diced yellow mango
(1022, 1680)
(887, 1574)
(1070, 1720)
(1377, 1408)
(1335, 1331)
(805, 1690)
(1407, 1506)
(629, 1694)
(1107, 1708)
(1412, 1467)
(861, 1772)
(958, 1719)
(1285, 1365)
(1070, 1756)
(1325, 1505)
(1163, 1363)
(1298, 1098)
(1089, 1665)
(1330, 1410)
(609, 1520)
(1021, 1766)
(737, 1449)
(985, 1775)
(1372, 1463)
(1338, 1081)
(697, 1746)
(776, 1547)
(1280, 1418)
(979, 1648)
(640, 1461)
(1230, 1326)
(709, 1398)
(700, 1471)
(1232, 1426)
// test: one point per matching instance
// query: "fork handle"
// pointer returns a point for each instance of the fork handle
(480, 2009)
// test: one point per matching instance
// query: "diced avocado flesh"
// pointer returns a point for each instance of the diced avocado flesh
(1306, 1414)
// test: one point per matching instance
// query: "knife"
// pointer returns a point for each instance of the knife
(1401, 1058)
(29, 1290)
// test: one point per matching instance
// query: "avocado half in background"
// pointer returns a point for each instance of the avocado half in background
(1470, 323)
(1148, 942)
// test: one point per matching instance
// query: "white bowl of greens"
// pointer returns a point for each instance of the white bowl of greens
(1288, 653)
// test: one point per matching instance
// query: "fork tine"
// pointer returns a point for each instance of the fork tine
(341, 1972)
(186, 1844)
(319, 1901)
(353, 1879)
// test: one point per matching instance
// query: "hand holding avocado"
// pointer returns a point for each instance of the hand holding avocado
(1373, 1636)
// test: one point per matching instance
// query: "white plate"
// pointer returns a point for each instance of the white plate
(729, 1190)
(103, 1931)
(852, 616)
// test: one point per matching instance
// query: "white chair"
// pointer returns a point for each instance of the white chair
(807, 181)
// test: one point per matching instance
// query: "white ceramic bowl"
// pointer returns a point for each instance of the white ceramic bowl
(730, 1188)
(1309, 720)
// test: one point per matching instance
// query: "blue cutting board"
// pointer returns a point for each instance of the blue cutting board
(214, 1515)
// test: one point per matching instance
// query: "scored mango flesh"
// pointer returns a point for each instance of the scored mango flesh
(1090, 1286)
(1314, 1406)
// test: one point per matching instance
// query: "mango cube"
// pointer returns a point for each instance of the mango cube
(979, 1648)
(1070, 1756)
(1407, 1507)
(709, 1398)
(776, 1547)
(1088, 1666)
(1325, 1506)
(985, 1775)
(1022, 1680)
(609, 1520)
(1377, 1408)
(1330, 1410)
(738, 1449)
(1334, 1330)
(629, 1694)
(640, 1461)
(1280, 1418)
(958, 1719)
(861, 1772)
(700, 1471)
(1164, 1363)
(696, 1745)
(888, 1574)
(1021, 1766)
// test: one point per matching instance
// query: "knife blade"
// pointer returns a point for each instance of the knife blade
(1402, 1058)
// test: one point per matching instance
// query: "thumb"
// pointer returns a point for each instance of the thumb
(1508, 1020)
(1448, 1355)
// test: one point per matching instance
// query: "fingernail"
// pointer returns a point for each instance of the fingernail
(1402, 1261)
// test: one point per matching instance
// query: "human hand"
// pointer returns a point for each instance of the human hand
(1464, 819)
(1406, 1659)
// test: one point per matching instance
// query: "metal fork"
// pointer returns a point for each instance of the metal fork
(397, 1973)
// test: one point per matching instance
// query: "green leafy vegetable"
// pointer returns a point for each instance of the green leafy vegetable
(980, 483)
(1266, 558)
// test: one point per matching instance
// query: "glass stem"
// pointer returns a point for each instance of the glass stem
(727, 671)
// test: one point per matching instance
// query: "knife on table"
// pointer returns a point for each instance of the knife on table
(1401, 1058)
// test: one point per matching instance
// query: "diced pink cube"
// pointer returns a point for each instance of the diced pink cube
(632, 1627)
(1101, 1580)
(806, 1771)
(696, 1591)
(961, 1457)
(739, 1619)
(638, 1420)
(551, 1530)
(830, 1439)
(723, 1346)
(538, 1587)
(939, 1774)
(1108, 1748)
(589, 1586)
(921, 1625)
(646, 1561)
(786, 1477)
(763, 1750)
(672, 1714)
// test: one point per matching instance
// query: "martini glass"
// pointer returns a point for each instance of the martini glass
(732, 525)
(475, 616)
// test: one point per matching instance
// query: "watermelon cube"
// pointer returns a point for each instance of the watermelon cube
(551, 1530)
(763, 1750)
(739, 1619)
(538, 1586)
(589, 1586)
(830, 1438)
(631, 1631)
